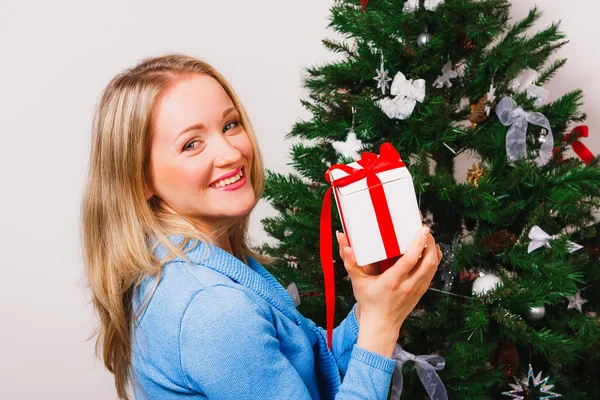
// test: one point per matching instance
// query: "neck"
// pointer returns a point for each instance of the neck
(225, 244)
(222, 241)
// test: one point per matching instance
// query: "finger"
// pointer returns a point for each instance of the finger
(369, 269)
(342, 242)
(439, 253)
(421, 214)
(411, 256)
(427, 265)
(372, 269)
(350, 263)
(342, 238)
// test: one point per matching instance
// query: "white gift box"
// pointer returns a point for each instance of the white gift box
(359, 219)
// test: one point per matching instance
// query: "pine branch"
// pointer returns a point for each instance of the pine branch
(549, 72)
(337, 46)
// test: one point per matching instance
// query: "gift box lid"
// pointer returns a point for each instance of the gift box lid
(384, 177)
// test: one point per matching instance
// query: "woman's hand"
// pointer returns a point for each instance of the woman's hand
(370, 269)
(387, 298)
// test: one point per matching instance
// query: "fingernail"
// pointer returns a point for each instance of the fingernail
(425, 232)
(337, 235)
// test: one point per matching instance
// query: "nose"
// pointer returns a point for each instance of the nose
(226, 153)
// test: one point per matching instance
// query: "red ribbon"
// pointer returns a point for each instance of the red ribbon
(371, 165)
(579, 148)
(363, 3)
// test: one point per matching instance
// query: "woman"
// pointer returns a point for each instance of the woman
(186, 308)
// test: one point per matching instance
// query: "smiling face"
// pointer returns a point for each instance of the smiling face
(198, 137)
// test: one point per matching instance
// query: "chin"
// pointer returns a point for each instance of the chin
(245, 206)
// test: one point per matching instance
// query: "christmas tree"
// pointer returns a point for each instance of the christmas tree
(518, 283)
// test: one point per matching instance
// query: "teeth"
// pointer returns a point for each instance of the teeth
(228, 181)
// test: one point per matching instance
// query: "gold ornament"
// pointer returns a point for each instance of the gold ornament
(478, 113)
(474, 173)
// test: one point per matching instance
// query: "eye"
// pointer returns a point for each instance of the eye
(186, 147)
(235, 123)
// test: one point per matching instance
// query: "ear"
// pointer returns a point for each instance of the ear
(147, 193)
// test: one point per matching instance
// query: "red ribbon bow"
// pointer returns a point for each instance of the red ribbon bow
(579, 148)
(371, 165)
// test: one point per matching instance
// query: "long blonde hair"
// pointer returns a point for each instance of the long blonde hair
(117, 220)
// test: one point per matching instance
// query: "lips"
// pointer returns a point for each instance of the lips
(228, 175)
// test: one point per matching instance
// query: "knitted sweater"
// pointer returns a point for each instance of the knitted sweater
(222, 329)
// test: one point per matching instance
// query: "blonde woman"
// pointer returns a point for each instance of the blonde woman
(186, 308)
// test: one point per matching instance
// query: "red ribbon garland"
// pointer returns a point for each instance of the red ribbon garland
(579, 148)
(371, 165)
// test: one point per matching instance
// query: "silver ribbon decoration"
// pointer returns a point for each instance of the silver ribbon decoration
(430, 379)
(407, 93)
(517, 118)
(540, 238)
(292, 290)
(412, 5)
(525, 82)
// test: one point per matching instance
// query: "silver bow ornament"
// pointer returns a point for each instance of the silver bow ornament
(407, 92)
(524, 82)
(430, 379)
(517, 119)
(412, 5)
(540, 238)
(292, 290)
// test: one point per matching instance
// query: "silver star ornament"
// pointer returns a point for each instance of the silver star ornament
(576, 302)
(532, 387)
(382, 77)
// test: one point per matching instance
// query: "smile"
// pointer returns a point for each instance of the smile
(231, 183)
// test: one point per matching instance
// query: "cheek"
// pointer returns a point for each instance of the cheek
(246, 147)
(184, 177)
(192, 176)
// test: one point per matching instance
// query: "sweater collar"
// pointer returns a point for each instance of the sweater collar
(253, 276)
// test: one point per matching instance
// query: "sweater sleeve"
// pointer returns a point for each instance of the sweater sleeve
(229, 350)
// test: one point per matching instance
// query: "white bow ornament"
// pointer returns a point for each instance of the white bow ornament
(412, 5)
(430, 379)
(407, 92)
(540, 238)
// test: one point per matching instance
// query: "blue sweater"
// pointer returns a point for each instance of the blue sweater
(222, 329)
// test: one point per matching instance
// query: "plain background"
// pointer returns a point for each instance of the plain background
(58, 56)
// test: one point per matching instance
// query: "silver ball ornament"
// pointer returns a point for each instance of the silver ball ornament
(485, 283)
(536, 313)
(423, 39)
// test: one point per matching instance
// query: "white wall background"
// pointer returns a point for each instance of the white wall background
(58, 55)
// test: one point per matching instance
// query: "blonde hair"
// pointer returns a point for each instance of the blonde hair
(117, 220)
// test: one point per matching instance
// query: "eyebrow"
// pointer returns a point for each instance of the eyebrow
(200, 125)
